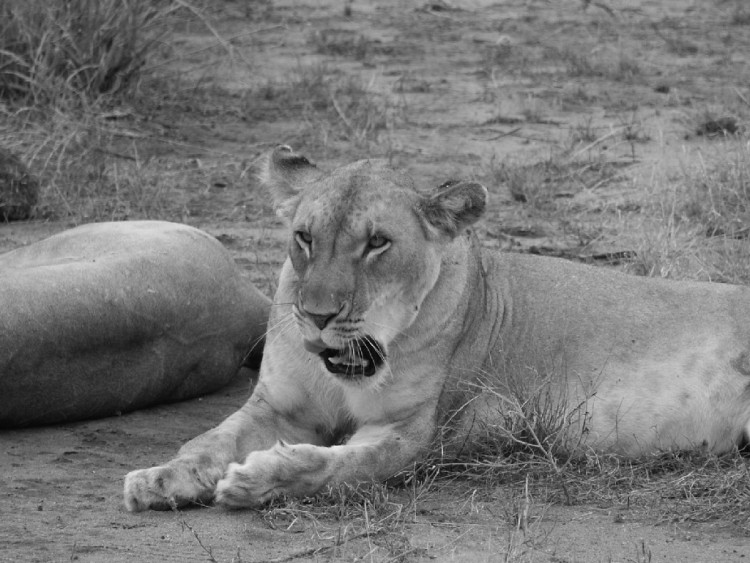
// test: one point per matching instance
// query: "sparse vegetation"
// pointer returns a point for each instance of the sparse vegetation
(340, 43)
(558, 178)
(700, 229)
(618, 66)
(330, 107)
(74, 51)
(61, 65)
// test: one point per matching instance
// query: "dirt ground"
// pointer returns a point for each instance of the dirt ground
(61, 492)
(465, 89)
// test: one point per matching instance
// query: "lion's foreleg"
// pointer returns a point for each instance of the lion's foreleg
(373, 453)
(191, 477)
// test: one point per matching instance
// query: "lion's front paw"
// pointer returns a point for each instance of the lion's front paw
(295, 470)
(165, 487)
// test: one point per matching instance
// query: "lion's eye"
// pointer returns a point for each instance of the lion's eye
(303, 238)
(377, 243)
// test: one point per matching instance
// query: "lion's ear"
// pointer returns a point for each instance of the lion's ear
(285, 173)
(453, 206)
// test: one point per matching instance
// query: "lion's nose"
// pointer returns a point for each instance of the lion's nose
(320, 321)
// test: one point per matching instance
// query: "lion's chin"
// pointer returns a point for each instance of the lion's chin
(361, 358)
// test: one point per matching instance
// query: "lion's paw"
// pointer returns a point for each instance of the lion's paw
(296, 470)
(165, 487)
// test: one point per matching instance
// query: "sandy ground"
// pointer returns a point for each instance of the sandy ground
(61, 500)
(61, 493)
(458, 90)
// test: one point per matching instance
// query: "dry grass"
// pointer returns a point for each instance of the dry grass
(557, 178)
(76, 50)
(538, 452)
(80, 178)
(332, 108)
(63, 67)
(699, 228)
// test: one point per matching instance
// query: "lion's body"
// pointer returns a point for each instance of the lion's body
(111, 317)
(644, 364)
(392, 327)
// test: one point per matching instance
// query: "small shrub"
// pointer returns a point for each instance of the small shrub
(700, 230)
(715, 127)
(55, 49)
(718, 198)
(79, 179)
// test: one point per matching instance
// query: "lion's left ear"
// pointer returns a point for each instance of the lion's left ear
(285, 173)
(453, 206)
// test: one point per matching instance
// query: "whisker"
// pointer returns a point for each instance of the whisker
(286, 318)
(265, 335)
(284, 325)
(355, 353)
(369, 354)
(387, 366)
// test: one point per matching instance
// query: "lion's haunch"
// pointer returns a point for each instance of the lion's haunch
(112, 317)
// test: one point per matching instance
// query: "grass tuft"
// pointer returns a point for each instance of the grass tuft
(75, 50)
(330, 107)
(544, 183)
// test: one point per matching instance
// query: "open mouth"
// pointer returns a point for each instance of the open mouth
(362, 356)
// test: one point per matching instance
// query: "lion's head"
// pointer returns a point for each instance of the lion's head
(366, 248)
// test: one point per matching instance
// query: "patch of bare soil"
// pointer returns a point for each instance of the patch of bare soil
(574, 114)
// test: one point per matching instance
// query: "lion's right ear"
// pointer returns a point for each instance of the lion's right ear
(285, 173)
(453, 207)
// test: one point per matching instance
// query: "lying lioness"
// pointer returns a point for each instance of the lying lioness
(391, 322)
(112, 317)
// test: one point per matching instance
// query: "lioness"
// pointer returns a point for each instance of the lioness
(112, 317)
(390, 322)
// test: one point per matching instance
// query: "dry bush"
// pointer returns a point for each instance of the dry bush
(75, 49)
(717, 196)
(699, 229)
(62, 64)
(79, 177)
